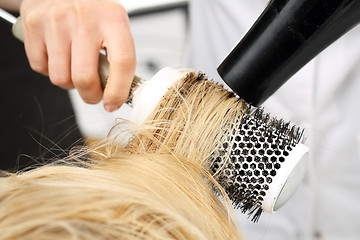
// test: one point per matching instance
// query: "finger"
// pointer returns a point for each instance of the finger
(84, 67)
(122, 63)
(59, 56)
(35, 49)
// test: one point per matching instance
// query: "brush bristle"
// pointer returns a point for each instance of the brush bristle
(251, 156)
(134, 85)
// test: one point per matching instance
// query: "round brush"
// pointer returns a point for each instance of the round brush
(259, 164)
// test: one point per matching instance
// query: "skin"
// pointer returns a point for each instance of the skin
(12, 5)
(63, 38)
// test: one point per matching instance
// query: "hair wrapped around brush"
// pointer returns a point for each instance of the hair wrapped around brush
(156, 186)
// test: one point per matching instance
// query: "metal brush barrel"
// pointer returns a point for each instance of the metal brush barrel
(287, 35)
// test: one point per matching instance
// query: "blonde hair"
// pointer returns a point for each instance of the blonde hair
(157, 186)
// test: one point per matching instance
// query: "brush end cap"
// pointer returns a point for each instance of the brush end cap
(287, 179)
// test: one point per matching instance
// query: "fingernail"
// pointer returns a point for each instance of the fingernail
(111, 107)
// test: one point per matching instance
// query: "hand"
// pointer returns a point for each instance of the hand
(63, 39)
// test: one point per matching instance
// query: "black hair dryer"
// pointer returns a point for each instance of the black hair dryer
(287, 35)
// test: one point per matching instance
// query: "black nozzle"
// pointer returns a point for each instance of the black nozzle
(287, 35)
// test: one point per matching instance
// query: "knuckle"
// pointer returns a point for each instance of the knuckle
(32, 19)
(81, 9)
(57, 14)
(117, 13)
(61, 80)
(37, 67)
(84, 81)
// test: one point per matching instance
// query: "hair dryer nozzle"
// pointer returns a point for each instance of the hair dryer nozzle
(287, 35)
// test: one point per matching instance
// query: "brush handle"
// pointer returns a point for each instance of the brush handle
(17, 30)
(287, 35)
